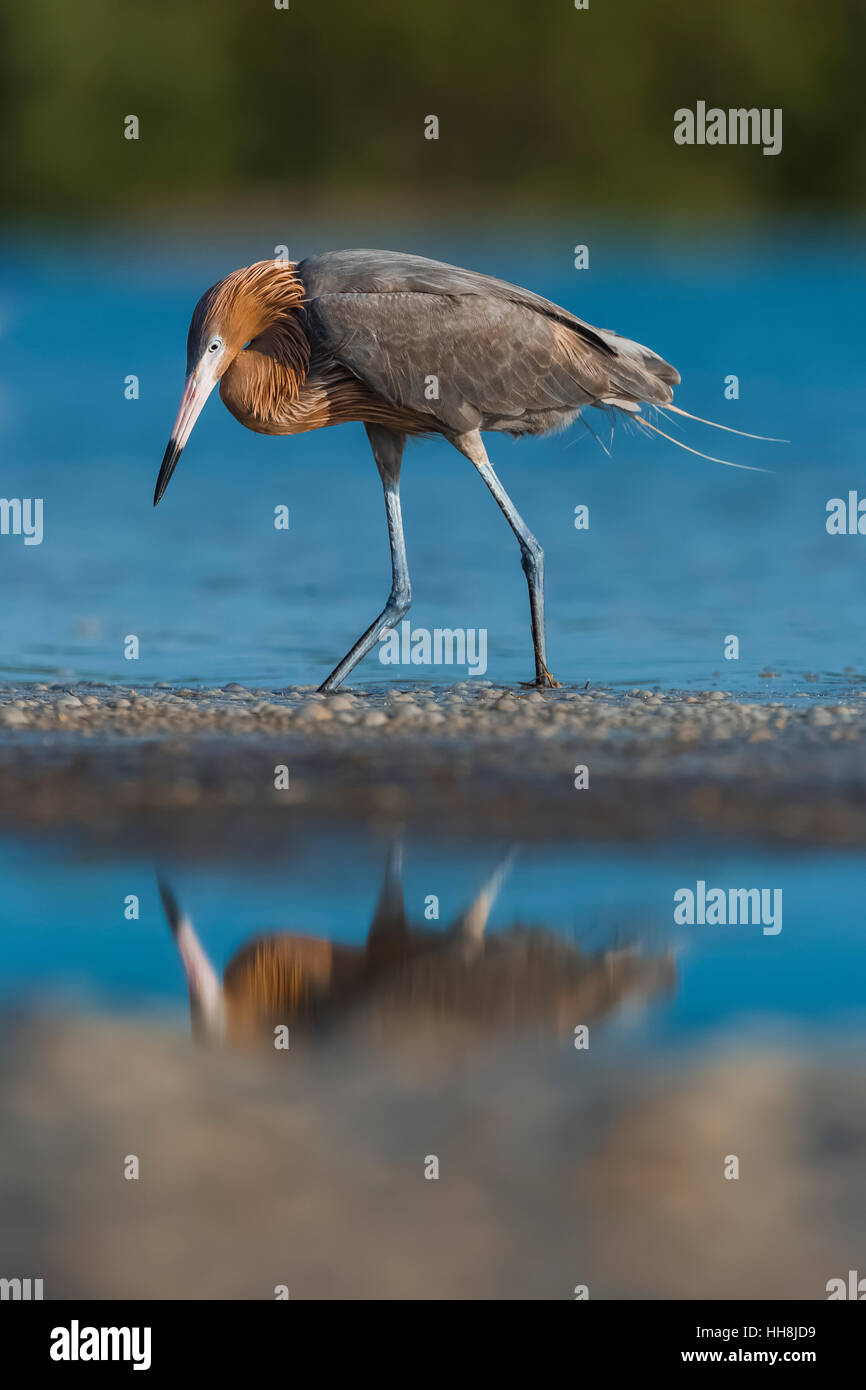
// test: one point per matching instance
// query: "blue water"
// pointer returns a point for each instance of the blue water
(680, 552)
(63, 930)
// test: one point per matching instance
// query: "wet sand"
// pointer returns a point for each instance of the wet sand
(557, 1167)
(493, 760)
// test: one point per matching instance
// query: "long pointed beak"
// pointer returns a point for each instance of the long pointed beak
(195, 393)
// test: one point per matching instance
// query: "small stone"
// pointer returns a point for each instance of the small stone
(320, 713)
(406, 711)
(13, 717)
(820, 716)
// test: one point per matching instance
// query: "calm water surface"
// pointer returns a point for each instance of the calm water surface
(64, 931)
(450, 1035)
(680, 552)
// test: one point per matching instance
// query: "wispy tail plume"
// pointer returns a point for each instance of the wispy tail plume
(749, 468)
(767, 438)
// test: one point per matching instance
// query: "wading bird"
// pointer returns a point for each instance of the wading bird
(408, 346)
(409, 977)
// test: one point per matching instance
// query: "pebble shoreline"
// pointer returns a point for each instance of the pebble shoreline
(468, 712)
(133, 764)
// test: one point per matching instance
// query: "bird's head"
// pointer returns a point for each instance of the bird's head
(228, 317)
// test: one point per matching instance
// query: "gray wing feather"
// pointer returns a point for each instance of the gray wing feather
(389, 272)
(466, 349)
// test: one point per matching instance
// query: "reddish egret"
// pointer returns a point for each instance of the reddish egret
(285, 977)
(409, 346)
(409, 976)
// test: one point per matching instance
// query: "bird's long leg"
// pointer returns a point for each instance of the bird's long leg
(531, 553)
(387, 446)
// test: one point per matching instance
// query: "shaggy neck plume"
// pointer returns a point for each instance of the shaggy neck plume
(258, 310)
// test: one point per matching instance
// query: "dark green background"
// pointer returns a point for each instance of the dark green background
(542, 107)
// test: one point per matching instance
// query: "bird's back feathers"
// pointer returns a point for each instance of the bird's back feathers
(467, 351)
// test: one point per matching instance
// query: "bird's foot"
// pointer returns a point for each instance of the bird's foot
(543, 681)
(546, 679)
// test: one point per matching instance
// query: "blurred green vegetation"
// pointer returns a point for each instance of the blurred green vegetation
(541, 106)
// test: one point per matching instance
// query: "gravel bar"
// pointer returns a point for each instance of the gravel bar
(479, 755)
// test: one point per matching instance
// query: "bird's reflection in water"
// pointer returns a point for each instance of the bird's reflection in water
(558, 1167)
(406, 976)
